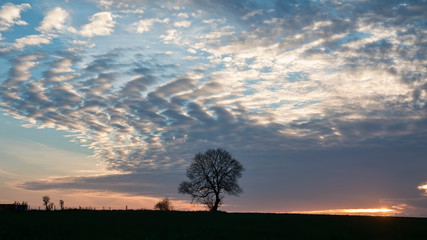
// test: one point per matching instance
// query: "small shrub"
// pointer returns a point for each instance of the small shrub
(164, 205)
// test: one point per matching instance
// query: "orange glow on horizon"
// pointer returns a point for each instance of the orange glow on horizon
(352, 211)
(102, 200)
(368, 210)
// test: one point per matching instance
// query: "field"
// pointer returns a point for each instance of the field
(81, 224)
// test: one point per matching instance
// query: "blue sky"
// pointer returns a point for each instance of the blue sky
(104, 102)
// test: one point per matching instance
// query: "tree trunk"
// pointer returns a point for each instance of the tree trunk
(216, 205)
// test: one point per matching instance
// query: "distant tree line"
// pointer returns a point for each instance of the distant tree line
(211, 175)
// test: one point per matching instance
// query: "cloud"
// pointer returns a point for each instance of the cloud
(182, 15)
(20, 72)
(222, 32)
(10, 15)
(106, 3)
(62, 66)
(132, 11)
(61, 70)
(144, 25)
(54, 20)
(409, 207)
(423, 188)
(308, 81)
(101, 24)
(83, 43)
(174, 87)
(251, 14)
(172, 36)
(31, 40)
(136, 86)
(144, 183)
(52, 23)
(183, 24)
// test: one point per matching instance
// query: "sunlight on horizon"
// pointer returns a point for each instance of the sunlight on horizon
(353, 211)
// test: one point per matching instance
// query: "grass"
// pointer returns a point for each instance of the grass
(82, 224)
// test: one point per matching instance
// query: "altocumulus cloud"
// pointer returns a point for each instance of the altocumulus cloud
(101, 24)
(10, 14)
(269, 78)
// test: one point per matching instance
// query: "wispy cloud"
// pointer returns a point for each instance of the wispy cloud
(251, 14)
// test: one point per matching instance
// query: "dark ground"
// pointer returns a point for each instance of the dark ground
(82, 224)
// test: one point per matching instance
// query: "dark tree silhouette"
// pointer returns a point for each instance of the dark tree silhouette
(61, 204)
(51, 206)
(164, 205)
(210, 176)
(46, 202)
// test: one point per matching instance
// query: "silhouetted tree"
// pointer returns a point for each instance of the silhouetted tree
(210, 176)
(51, 206)
(164, 205)
(46, 202)
(61, 204)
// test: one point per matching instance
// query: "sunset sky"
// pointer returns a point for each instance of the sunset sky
(105, 102)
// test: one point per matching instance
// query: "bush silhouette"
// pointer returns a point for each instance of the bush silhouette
(164, 205)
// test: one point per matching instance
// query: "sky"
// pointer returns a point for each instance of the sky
(103, 103)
